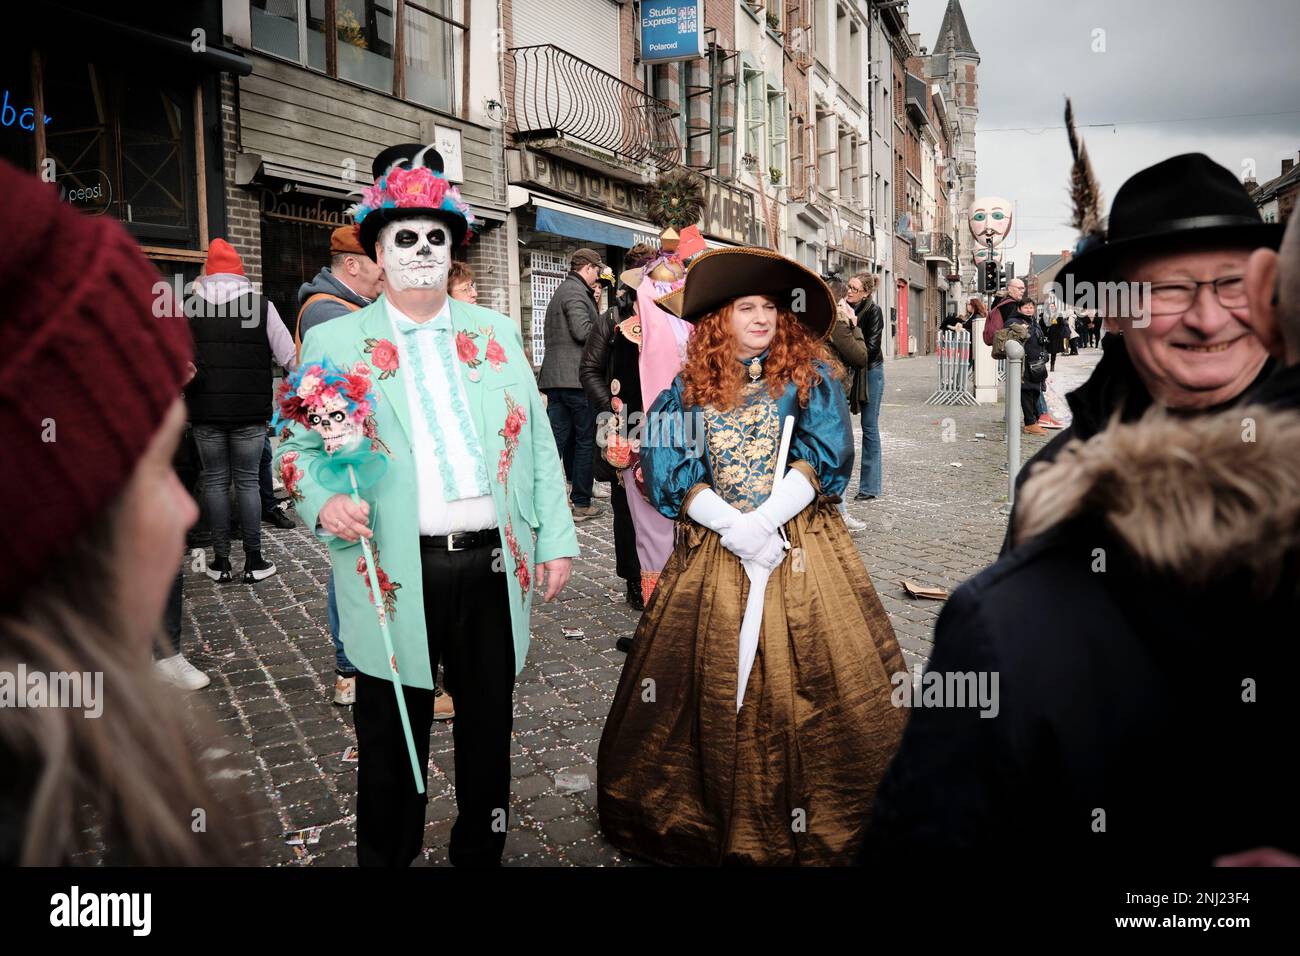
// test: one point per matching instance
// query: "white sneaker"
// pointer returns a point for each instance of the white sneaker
(345, 690)
(853, 524)
(600, 489)
(181, 673)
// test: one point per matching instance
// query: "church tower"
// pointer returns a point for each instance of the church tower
(954, 64)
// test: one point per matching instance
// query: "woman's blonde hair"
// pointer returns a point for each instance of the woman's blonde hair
(130, 780)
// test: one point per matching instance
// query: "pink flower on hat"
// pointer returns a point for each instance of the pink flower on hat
(416, 187)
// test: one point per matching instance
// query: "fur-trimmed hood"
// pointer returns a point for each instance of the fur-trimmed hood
(1198, 498)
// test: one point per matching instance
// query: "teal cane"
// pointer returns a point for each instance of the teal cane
(388, 645)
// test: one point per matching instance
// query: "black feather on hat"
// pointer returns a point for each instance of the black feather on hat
(1187, 200)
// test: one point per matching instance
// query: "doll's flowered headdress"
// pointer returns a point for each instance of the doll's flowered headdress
(325, 388)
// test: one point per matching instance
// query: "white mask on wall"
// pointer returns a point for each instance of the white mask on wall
(416, 253)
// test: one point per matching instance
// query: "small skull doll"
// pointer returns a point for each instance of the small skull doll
(330, 401)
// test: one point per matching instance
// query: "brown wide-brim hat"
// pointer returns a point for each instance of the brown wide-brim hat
(718, 276)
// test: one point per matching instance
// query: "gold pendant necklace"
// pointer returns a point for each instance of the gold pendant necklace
(755, 369)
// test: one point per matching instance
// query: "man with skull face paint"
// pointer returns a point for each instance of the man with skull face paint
(456, 396)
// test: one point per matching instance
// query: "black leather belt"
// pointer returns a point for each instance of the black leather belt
(462, 540)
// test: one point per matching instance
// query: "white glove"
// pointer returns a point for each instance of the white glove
(772, 553)
(711, 511)
(750, 535)
(790, 495)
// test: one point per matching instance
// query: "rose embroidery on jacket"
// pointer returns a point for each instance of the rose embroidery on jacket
(371, 431)
(387, 589)
(467, 349)
(514, 423)
(383, 354)
(495, 354)
(290, 473)
(521, 562)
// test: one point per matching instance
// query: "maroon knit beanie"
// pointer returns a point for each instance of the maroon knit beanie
(87, 371)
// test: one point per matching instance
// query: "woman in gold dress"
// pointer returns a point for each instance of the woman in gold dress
(694, 769)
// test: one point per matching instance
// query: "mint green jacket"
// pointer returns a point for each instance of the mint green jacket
(527, 481)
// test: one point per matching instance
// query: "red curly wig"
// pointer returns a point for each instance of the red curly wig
(713, 376)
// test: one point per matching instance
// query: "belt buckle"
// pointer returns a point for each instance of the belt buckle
(451, 542)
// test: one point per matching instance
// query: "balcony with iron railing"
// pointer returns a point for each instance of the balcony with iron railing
(564, 103)
(935, 245)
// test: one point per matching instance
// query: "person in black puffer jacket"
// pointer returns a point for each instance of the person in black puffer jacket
(237, 334)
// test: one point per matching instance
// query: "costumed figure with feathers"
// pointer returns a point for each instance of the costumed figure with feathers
(646, 353)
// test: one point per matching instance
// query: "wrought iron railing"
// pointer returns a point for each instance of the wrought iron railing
(941, 245)
(557, 93)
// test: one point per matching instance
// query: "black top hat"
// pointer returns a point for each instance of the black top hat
(412, 156)
(405, 153)
(716, 277)
(1186, 200)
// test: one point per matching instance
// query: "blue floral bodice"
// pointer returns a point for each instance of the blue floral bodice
(735, 450)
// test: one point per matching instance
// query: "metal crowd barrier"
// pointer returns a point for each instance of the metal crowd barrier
(955, 385)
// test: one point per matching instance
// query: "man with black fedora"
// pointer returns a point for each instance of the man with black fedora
(1151, 725)
(1167, 273)
(466, 524)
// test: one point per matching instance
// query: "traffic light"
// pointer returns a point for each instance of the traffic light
(992, 276)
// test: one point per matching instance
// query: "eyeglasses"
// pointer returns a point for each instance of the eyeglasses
(856, 288)
(1172, 298)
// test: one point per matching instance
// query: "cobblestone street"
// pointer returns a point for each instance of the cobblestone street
(268, 651)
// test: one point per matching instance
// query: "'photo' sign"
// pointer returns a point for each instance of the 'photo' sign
(672, 30)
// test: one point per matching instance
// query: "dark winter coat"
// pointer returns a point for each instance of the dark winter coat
(569, 317)
(872, 323)
(1035, 348)
(322, 310)
(1153, 722)
(608, 356)
(1114, 388)
(848, 344)
(232, 386)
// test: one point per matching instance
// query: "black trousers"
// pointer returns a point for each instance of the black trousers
(467, 618)
(1029, 406)
(626, 563)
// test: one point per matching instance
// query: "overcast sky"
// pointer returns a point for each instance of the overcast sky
(1163, 60)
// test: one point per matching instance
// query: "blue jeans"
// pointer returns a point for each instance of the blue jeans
(571, 415)
(226, 452)
(341, 662)
(869, 476)
(267, 490)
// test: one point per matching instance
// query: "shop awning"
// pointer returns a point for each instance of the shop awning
(578, 223)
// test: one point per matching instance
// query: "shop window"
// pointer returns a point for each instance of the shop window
(755, 113)
(432, 54)
(134, 134)
(316, 19)
(776, 125)
(364, 40)
(275, 27)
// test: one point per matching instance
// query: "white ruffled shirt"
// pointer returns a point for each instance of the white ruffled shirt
(438, 516)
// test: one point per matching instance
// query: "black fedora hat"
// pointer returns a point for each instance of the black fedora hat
(1188, 200)
(380, 205)
(716, 277)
